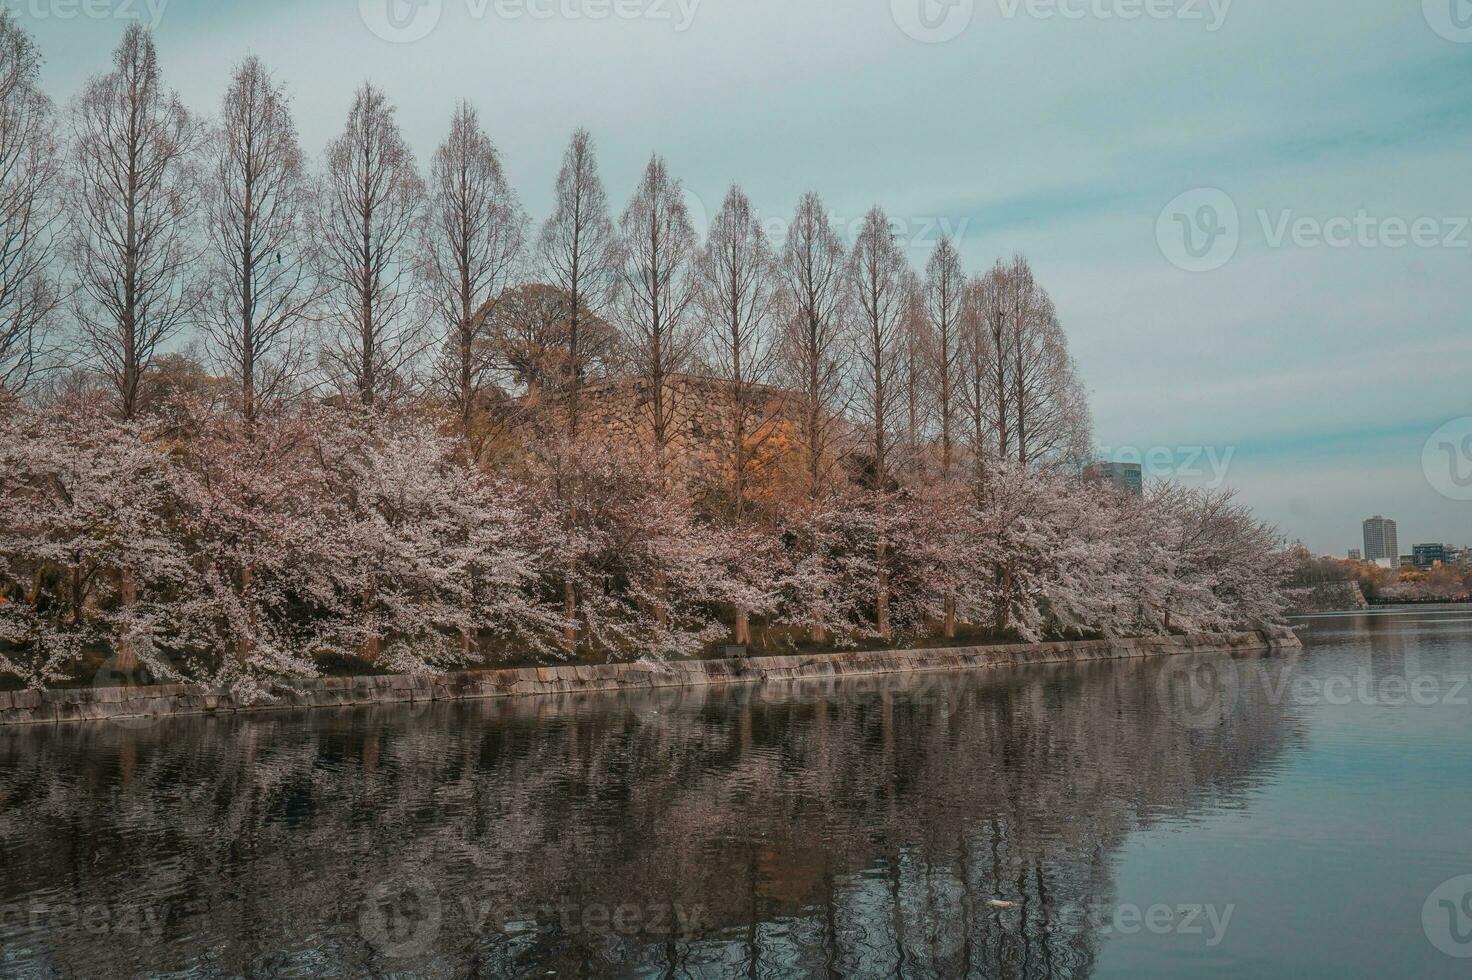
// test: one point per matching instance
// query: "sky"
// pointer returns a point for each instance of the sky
(1253, 215)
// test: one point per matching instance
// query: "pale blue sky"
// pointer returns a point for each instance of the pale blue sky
(1319, 372)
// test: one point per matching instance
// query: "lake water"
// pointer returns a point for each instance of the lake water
(1302, 815)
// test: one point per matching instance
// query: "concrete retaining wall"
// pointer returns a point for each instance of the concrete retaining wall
(99, 704)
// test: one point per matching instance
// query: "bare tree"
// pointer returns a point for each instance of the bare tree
(815, 346)
(29, 165)
(815, 340)
(919, 352)
(736, 293)
(995, 303)
(474, 237)
(1053, 416)
(877, 277)
(657, 247)
(944, 284)
(133, 193)
(1048, 404)
(976, 378)
(576, 247)
(262, 288)
(369, 205)
(1024, 300)
(526, 337)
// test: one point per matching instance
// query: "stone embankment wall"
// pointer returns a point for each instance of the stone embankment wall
(99, 704)
(1329, 597)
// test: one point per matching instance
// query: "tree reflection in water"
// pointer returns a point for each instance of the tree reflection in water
(854, 827)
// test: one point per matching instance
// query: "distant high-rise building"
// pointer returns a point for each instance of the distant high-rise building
(1428, 555)
(1129, 477)
(1380, 540)
(1354, 555)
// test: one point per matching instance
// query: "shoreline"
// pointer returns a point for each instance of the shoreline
(180, 700)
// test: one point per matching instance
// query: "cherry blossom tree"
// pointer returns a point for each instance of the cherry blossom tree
(1220, 555)
(92, 551)
(261, 597)
(425, 555)
(646, 570)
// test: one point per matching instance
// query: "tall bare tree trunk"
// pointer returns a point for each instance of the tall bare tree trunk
(742, 632)
(569, 611)
(246, 644)
(815, 344)
(881, 604)
(878, 271)
(128, 595)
